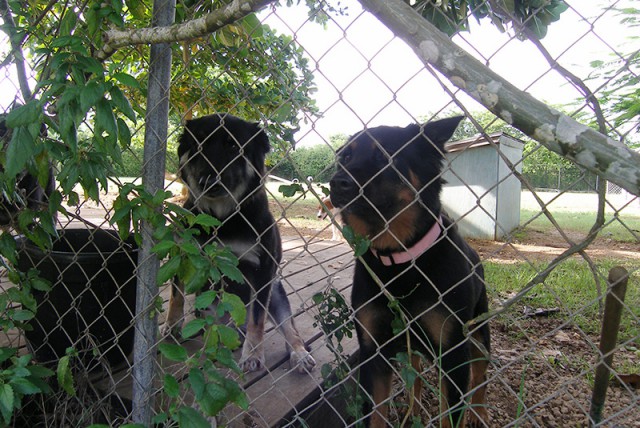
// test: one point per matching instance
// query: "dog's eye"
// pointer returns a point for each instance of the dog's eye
(345, 156)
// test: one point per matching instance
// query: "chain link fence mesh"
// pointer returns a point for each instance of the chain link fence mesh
(548, 232)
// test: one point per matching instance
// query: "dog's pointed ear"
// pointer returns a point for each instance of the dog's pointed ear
(260, 137)
(439, 131)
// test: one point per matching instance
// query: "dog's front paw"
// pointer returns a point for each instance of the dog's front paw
(252, 363)
(302, 361)
(171, 329)
(477, 417)
(252, 358)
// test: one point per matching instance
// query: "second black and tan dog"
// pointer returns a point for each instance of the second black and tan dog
(222, 165)
(388, 189)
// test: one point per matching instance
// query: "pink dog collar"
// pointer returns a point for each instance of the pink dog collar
(414, 252)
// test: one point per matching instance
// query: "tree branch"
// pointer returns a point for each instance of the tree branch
(16, 50)
(556, 131)
(237, 9)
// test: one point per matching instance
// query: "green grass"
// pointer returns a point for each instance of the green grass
(625, 228)
(301, 211)
(570, 287)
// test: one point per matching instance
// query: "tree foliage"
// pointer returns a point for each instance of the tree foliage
(621, 93)
(452, 16)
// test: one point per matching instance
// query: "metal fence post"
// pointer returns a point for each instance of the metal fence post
(156, 123)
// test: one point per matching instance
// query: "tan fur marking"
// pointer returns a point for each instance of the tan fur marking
(438, 326)
(359, 226)
(381, 391)
(292, 336)
(414, 180)
(445, 419)
(478, 414)
(416, 363)
(175, 312)
(255, 328)
(367, 319)
(401, 229)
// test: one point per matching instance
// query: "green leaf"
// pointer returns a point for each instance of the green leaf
(161, 249)
(21, 149)
(6, 402)
(171, 386)
(6, 353)
(122, 103)
(191, 248)
(173, 352)
(169, 269)
(127, 79)
(197, 382)
(361, 247)
(229, 268)
(90, 94)
(24, 115)
(40, 284)
(206, 220)
(65, 375)
(188, 417)
(215, 399)
(22, 315)
(205, 299)
(193, 327)
(40, 371)
(252, 25)
(124, 133)
(68, 24)
(24, 386)
(235, 307)
(289, 190)
(229, 337)
(105, 119)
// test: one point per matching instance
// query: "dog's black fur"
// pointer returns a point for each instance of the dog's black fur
(222, 165)
(388, 189)
(30, 194)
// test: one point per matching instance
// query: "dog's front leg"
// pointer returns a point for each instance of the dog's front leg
(281, 315)
(454, 383)
(375, 377)
(175, 311)
(478, 412)
(252, 358)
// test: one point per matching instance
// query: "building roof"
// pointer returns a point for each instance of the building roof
(480, 140)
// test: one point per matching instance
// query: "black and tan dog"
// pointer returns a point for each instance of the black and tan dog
(388, 189)
(222, 164)
(28, 192)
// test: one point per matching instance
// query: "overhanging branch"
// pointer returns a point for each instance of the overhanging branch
(556, 131)
(228, 14)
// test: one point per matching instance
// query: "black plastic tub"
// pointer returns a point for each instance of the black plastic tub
(91, 304)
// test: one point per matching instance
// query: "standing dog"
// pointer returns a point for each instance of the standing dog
(388, 187)
(222, 164)
(324, 208)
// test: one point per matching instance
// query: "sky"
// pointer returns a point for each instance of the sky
(367, 77)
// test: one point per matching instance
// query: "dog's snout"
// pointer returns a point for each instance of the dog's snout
(208, 181)
(341, 183)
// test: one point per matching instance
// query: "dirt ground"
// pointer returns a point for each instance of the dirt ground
(542, 367)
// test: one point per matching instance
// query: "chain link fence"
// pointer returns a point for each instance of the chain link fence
(109, 217)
